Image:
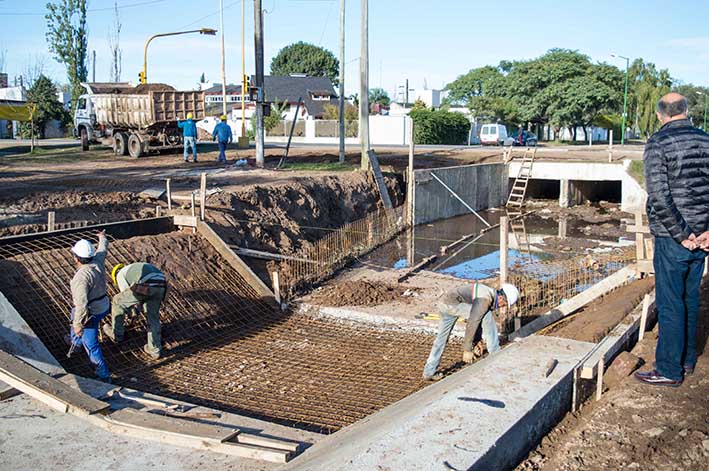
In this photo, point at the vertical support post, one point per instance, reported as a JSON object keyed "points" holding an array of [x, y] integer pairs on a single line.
{"points": [[364, 88], [169, 194], [342, 82], [639, 241], [599, 378], [157, 211], [564, 193], [192, 201], [562, 227], [221, 33], [258, 55], [410, 247], [575, 390], [202, 195], [504, 240], [706, 266], [276, 286], [590, 137], [610, 146], [643, 317], [51, 221], [411, 183]]}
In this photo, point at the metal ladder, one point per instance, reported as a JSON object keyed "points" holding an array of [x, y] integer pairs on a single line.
{"points": [[519, 188], [520, 232]]}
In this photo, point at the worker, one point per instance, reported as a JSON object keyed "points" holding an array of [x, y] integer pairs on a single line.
{"points": [[141, 286], [222, 134], [477, 301], [189, 136], [91, 303]]}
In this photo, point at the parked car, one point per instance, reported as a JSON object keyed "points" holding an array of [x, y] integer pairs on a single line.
{"points": [[524, 138], [494, 134]]}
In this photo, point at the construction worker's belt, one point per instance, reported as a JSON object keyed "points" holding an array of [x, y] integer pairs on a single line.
{"points": [[97, 298], [152, 280]]}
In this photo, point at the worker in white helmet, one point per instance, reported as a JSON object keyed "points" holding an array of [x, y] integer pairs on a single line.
{"points": [[477, 302], [91, 303]]}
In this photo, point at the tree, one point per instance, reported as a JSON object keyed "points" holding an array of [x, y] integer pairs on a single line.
{"points": [[43, 95], [67, 38], [304, 58], [114, 37], [695, 100], [482, 81], [380, 96], [439, 126]]}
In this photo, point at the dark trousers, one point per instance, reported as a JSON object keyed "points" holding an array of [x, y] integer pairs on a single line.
{"points": [[678, 274], [222, 150]]}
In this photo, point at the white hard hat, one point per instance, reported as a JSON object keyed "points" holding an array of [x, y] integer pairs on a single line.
{"points": [[83, 249], [511, 293]]}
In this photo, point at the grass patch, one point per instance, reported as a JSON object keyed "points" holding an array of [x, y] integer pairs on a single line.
{"points": [[637, 171], [320, 166]]}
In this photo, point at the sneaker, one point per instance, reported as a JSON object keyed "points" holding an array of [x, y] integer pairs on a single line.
{"points": [[152, 354], [654, 378], [688, 370], [435, 377], [108, 332]]}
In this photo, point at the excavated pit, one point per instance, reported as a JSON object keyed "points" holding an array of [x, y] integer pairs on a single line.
{"points": [[224, 347]]}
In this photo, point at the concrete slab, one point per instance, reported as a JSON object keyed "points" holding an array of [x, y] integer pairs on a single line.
{"points": [[460, 421]]}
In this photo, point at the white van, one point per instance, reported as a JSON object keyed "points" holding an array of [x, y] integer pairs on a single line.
{"points": [[495, 134]]}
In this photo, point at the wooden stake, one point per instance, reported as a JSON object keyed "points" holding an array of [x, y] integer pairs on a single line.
{"points": [[574, 391], [169, 194], [192, 201], [276, 287], [157, 211], [411, 184], [599, 379], [706, 266], [639, 241], [202, 195], [643, 317], [50, 221], [504, 239]]}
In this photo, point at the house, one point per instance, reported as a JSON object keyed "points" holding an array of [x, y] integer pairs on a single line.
{"points": [[9, 97], [213, 96], [316, 92]]}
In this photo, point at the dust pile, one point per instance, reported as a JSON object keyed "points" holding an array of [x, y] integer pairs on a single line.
{"points": [[360, 293]]}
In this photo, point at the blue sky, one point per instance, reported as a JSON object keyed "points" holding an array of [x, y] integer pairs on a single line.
{"points": [[424, 41]]}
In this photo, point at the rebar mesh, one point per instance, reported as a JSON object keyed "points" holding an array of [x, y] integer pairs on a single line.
{"points": [[224, 346]]}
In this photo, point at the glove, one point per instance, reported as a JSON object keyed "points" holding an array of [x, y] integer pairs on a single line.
{"points": [[468, 357]]}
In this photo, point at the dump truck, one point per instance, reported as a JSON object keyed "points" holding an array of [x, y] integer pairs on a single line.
{"points": [[134, 120]]}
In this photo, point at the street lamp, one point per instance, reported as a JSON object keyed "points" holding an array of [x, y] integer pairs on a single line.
{"points": [[143, 75], [704, 128], [625, 97]]}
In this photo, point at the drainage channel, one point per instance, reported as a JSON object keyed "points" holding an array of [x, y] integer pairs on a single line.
{"points": [[225, 347]]}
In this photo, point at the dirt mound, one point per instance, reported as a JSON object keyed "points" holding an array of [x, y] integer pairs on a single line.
{"points": [[359, 293], [145, 88]]}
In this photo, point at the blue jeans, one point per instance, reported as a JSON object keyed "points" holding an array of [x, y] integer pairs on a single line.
{"points": [[190, 141], [449, 316], [89, 339], [678, 274], [222, 150]]}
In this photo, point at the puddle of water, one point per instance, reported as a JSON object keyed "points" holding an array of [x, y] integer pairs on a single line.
{"points": [[473, 259]]}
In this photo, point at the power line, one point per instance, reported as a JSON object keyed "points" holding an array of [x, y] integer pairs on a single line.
{"points": [[92, 10]]}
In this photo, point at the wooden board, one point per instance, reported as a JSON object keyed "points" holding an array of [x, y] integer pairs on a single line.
{"points": [[645, 266], [374, 162], [638, 229], [184, 220], [46, 389], [165, 424], [599, 289]]}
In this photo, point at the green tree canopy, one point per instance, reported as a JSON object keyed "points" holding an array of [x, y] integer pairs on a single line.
{"points": [[305, 58], [67, 38], [379, 95], [43, 94], [697, 99]]}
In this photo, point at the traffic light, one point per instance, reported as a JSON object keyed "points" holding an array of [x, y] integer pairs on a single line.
{"points": [[141, 77]]}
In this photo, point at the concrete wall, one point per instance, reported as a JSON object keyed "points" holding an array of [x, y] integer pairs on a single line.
{"points": [[481, 186]]}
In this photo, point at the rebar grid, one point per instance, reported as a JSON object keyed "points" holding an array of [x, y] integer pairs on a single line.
{"points": [[320, 260], [545, 284], [224, 347]]}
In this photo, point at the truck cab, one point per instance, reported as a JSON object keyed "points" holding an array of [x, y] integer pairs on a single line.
{"points": [[84, 120]]}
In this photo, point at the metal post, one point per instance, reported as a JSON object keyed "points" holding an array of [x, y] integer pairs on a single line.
{"points": [[94, 66], [625, 101], [202, 195], [243, 142], [50, 221], [342, 82], [610, 146], [258, 54], [221, 27], [705, 112], [504, 240], [169, 194], [364, 88]]}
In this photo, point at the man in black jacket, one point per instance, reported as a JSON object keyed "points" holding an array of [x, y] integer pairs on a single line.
{"points": [[677, 182]]}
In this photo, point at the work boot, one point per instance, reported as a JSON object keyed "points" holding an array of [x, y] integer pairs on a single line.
{"points": [[151, 353], [435, 377], [653, 377], [108, 332]]}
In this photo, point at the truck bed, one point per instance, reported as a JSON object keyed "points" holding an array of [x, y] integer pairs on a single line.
{"points": [[146, 110]]}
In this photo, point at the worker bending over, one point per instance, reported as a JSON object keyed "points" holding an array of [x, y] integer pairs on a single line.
{"points": [[141, 286], [477, 301], [91, 303]]}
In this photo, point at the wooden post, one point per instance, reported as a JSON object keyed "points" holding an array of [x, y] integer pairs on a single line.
{"points": [[411, 183], [50, 221], [157, 211], [643, 317], [706, 266], [639, 241], [574, 390], [610, 147], [169, 194], [192, 201], [202, 195], [599, 379], [276, 287], [504, 239]]}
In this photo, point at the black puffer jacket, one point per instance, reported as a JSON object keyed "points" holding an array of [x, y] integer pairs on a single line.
{"points": [[677, 180]]}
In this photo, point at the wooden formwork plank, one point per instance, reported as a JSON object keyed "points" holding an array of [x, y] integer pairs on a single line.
{"points": [[374, 162], [184, 220], [44, 388], [152, 423]]}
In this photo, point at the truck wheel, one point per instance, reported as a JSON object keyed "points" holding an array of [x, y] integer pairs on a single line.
{"points": [[120, 144], [84, 139], [135, 147]]}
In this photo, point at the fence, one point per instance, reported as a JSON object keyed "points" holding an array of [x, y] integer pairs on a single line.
{"points": [[546, 284], [319, 261]]}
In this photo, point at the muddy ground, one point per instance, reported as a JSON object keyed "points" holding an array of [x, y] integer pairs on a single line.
{"points": [[635, 426]]}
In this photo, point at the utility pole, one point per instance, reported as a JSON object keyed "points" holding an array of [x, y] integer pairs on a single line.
{"points": [[221, 26], [364, 87], [258, 54], [406, 94], [243, 140], [342, 81], [625, 96], [94, 67]]}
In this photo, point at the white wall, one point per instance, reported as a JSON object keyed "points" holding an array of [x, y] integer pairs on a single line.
{"points": [[383, 130], [13, 93]]}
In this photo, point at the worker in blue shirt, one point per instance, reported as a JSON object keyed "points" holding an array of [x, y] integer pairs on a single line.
{"points": [[222, 134], [189, 134]]}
